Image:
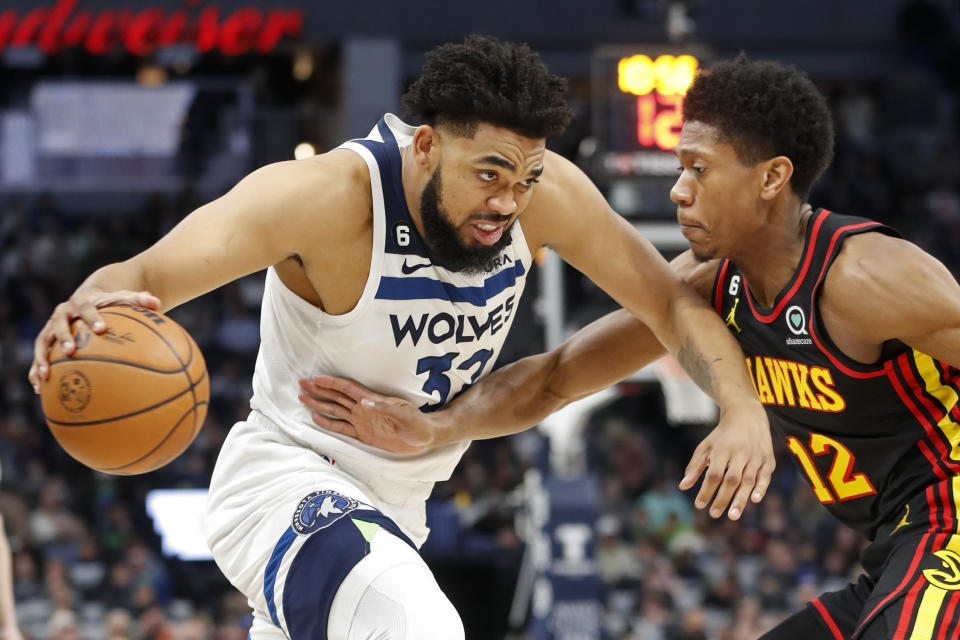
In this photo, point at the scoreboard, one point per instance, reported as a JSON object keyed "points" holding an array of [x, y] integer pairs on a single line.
{"points": [[637, 96], [647, 104]]}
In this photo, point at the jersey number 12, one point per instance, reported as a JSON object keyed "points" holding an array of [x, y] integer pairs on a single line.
{"points": [[846, 484]]}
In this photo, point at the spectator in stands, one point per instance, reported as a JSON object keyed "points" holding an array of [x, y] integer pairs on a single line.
{"points": [[9, 629]]}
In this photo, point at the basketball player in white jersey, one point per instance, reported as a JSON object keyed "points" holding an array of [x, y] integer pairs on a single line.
{"points": [[398, 260]]}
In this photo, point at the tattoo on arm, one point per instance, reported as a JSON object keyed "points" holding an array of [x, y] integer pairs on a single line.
{"points": [[697, 367]]}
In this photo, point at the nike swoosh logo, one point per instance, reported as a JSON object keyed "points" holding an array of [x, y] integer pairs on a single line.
{"points": [[410, 268]]}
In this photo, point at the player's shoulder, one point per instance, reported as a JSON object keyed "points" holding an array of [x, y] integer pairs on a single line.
{"points": [[559, 184], [890, 288], [560, 200], [876, 259], [329, 190], [879, 276], [561, 175], [336, 173]]}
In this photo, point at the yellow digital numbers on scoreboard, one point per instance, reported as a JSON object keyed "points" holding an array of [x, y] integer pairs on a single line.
{"points": [[659, 85], [637, 95], [641, 75]]}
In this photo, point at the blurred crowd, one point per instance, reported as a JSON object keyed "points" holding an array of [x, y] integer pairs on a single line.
{"points": [[670, 572], [87, 561], [86, 556]]}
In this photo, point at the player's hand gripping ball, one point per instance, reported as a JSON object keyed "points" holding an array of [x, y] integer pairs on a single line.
{"points": [[128, 400]]}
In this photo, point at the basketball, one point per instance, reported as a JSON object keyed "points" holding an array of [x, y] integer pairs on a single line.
{"points": [[130, 399]]}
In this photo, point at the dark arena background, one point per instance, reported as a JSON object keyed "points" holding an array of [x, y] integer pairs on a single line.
{"points": [[117, 118]]}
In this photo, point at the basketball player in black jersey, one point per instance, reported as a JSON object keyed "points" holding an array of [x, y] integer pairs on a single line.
{"points": [[851, 333]]}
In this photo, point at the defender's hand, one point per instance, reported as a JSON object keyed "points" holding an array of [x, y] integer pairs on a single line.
{"points": [[348, 408], [738, 459], [83, 306]]}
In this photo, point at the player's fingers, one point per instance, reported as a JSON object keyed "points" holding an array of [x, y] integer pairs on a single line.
{"points": [[337, 426], [325, 393], [128, 298], [343, 385], [148, 300], [763, 481], [60, 326], [712, 479], [740, 498], [41, 347], [732, 477], [34, 377], [332, 409], [698, 462], [392, 416], [89, 314]]}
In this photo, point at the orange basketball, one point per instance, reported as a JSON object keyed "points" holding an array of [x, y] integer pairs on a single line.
{"points": [[130, 399]]}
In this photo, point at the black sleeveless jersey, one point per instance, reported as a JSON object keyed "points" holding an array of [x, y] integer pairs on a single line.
{"points": [[866, 437]]}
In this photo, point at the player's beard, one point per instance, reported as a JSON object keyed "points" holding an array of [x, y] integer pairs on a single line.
{"points": [[447, 249]]}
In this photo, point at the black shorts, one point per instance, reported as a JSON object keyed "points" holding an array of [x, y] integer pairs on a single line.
{"points": [[911, 588]]}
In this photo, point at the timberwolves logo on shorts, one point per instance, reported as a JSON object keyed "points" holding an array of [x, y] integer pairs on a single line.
{"points": [[321, 509]]}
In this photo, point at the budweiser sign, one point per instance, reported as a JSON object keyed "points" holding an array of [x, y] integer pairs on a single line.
{"points": [[140, 32]]}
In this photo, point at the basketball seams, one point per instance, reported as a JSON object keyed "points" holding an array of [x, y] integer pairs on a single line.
{"points": [[183, 365], [191, 385], [91, 423], [179, 423], [136, 365], [193, 397]]}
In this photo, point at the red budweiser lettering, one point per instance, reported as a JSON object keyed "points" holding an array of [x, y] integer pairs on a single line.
{"points": [[52, 29]]}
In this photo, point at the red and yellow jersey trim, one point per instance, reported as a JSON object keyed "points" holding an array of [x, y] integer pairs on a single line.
{"points": [[929, 390]]}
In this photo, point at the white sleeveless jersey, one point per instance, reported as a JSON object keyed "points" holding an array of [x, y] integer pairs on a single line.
{"points": [[419, 332]]}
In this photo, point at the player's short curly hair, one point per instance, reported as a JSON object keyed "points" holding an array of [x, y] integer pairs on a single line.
{"points": [[764, 109], [487, 80]]}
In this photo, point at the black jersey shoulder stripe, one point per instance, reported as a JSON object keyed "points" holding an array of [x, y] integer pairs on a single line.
{"points": [[850, 368], [936, 433], [939, 399], [932, 443], [809, 250], [718, 286]]}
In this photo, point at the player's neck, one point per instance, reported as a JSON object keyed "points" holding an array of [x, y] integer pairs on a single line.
{"points": [[769, 261], [413, 183]]}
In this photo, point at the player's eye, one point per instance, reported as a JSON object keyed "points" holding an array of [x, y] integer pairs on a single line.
{"points": [[487, 176]]}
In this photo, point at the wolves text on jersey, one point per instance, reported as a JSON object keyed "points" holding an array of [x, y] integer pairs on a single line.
{"points": [[439, 327]]}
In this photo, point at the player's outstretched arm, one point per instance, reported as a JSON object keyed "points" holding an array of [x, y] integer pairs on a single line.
{"points": [[519, 395], [267, 217], [507, 401], [570, 215]]}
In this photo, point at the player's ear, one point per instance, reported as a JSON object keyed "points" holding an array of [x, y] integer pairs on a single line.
{"points": [[775, 177], [426, 144]]}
